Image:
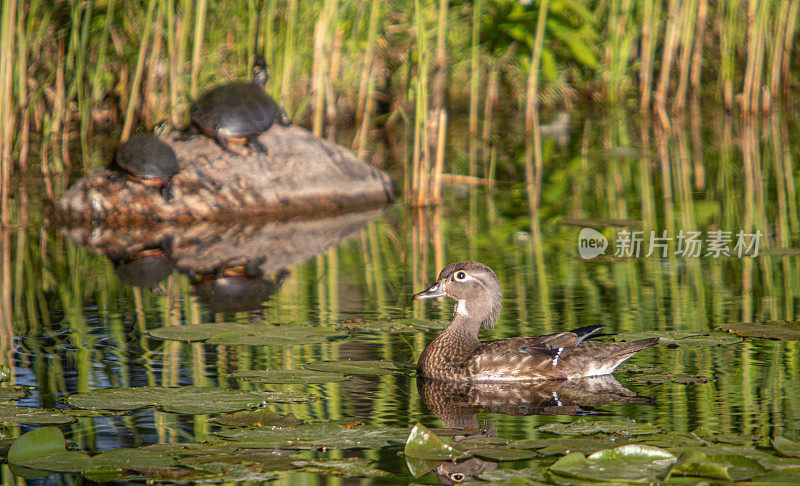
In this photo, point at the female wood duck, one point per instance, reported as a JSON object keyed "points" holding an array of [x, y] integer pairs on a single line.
{"points": [[457, 355]]}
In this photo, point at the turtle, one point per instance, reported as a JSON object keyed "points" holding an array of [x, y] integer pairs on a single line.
{"points": [[146, 159], [237, 112]]}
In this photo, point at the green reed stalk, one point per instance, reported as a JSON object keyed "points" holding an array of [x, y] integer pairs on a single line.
{"points": [[22, 88], [778, 33], [419, 165], [267, 32], [97, 85], [6, 109], [670, 47], [369, 58], [474, 79], [619, 46], [788, 39], [252, 33], [288, 54], [127, 126], [184, 23], [697, 51], [172, 55], [646, 63], [318, 70], [199, 33], [729, 25], [151, 106], [532, 135], [684, 63], [440, 70]]}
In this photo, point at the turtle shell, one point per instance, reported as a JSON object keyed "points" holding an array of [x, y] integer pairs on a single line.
{"points": [[235, 110], [147, 158]]}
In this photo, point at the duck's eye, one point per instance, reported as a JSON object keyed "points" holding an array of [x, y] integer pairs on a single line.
{"points": [[460, 276], [457, 476]]}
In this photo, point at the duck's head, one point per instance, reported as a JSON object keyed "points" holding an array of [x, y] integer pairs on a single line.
{"points": [[475, 288]]}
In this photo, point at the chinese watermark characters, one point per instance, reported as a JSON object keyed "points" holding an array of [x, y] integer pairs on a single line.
{"points": [[686, 244]]}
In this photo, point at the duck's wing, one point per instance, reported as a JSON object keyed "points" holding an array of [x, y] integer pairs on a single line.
{"points": [[557, 356], [518, 359]]}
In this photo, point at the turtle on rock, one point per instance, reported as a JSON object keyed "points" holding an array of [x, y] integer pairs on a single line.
{"points": [[146, 159], [237, 112]]}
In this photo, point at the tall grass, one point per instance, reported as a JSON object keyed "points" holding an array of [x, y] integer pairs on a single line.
{"points": [[72, 67]]}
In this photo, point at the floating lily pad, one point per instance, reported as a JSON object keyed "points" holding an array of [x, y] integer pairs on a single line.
{"points": [[564, 445], [589, 427], [247, 334], [424, 444], [240, 462], [679, 378], [318, 435], [188, 400], [9, 393], [786, 447], [784, 331], [349, 467], [258, 418], [44, 448], [393, 325], [629, 463], [284, 377], [502, 453], [681, 338], [727, 467], [354, 367], [15, 414], [533, 476]]}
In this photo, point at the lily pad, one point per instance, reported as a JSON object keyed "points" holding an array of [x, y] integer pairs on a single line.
{"points": [[786, 447], [679, 378], [725, 467], [681, 338], [317, 435], [247, 334], [9, 393], [44, 448], [241, 462], [502, 453], [187, 400], [629, 463], [424, 444], [284, 377], [354, 367], [258, 418], [15, 414], [564, 445], [589, 427], [393, 325], [349, 467], [784, 331], [532, 475]]}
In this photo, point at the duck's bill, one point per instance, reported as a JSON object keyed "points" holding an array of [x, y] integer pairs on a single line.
{"points": [[437, 290]]}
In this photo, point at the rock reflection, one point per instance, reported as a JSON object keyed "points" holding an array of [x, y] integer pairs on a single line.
{"points": [[233, 267], [457, 404]]}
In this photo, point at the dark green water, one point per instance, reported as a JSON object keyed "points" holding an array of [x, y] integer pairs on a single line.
{"points": [[71, 326]]}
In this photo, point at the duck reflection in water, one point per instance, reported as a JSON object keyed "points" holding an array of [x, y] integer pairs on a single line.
{"points": [[458, 404]]}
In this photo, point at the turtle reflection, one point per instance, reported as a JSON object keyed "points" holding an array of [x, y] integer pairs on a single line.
{"points": [[237, 289], [457, 404], [145, 268]]}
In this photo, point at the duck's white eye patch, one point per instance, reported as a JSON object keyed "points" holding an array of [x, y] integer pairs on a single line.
{"points": [[460, 276]]}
